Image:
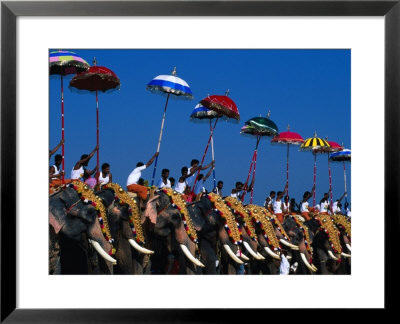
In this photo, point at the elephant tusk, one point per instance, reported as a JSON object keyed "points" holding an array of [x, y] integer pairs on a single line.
{"points": [[231, 254], [292, 246], [244, 257], [102, 253], [272, 254], [260, 256], [314, 267], [346, 255], [139, 248], [349, 247], [190, 256], [249, 249], [332, 256], [289, 257], [303, 257]]}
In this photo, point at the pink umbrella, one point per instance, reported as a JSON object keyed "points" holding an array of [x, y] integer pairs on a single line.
{"points": [[288, 138]]}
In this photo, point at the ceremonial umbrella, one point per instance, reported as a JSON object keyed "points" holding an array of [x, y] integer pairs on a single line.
{"points": [[257, 126], [314, 144], [342, 156], [202, 113], [95, 79], [168, 84], [63, 63], [288, 138], [226, 108]]}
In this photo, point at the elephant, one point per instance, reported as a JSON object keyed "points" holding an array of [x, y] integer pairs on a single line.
{"points": [[73, 223], [301, 236], [327, 248], [166, 225], [126, 229], [203, 221]]}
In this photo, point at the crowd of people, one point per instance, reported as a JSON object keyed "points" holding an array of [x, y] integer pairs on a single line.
{"points": [[191, 184]]}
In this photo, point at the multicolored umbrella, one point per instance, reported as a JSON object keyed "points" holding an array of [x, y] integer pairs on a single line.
{"points": [[342, 156], [225, 107], [288, 138], [63, 63], [168, 84], [314, 144], [202, 113], [257, 126], [95, 79]]}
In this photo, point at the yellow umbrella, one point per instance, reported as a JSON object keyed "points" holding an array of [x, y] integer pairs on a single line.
{"points": [[314, 144]]}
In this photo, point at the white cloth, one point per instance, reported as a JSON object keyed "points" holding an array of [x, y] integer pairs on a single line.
{"points": [[270, 202], [348, 212], [336, 208], [180, 186], [161, 184], [56, 171], [286, 206], [317, 207], [324, 206], [285, 266], [104, 180], [278, 207], [77, 174], [135, 175], [304, 207]]}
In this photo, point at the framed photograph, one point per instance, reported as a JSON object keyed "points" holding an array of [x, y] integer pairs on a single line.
{"points": [[219, 40]]}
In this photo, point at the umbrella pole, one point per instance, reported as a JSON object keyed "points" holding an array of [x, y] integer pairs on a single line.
{"points": [[287, 170], [315, 176], [253, 164], [254, 176], [159, 140], [330, 182], [212, 153], [97, 135], [248, 176], [205, 152], [62, 128], [345, 184]]}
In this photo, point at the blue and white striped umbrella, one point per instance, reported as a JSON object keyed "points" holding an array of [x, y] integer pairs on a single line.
{"points": [[340, 156], [170, 84], [201, 112]]}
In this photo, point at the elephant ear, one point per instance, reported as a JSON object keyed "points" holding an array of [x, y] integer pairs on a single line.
{"points": [[55, 222]]}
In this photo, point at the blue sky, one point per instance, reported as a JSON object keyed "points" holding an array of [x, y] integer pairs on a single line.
{"points": [[308, 89]]}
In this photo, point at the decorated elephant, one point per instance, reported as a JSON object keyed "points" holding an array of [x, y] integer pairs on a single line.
{"points": [[124, 221], [301, 236], [75, 214], [167, 215], [207, 223], [327, 248]]}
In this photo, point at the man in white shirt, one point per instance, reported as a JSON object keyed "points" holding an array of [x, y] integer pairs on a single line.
{"points": [[278, 206], [304, 208], [164, 181], [134, 177], [336, 208]]}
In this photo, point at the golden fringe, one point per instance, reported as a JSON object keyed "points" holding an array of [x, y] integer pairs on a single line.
{"points": [[326, 223], [280, 227], [177, 199], [341, 220], [237, 206], [226, 214], [88, 193], [304, 227], [131, 202], [260, 214]]}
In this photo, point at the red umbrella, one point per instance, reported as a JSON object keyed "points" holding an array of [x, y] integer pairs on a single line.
{"points": [[226, 108], [288, 138], [96, 78]]}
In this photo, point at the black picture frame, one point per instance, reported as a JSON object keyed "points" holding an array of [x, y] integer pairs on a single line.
{"points": [[10, 10]]}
